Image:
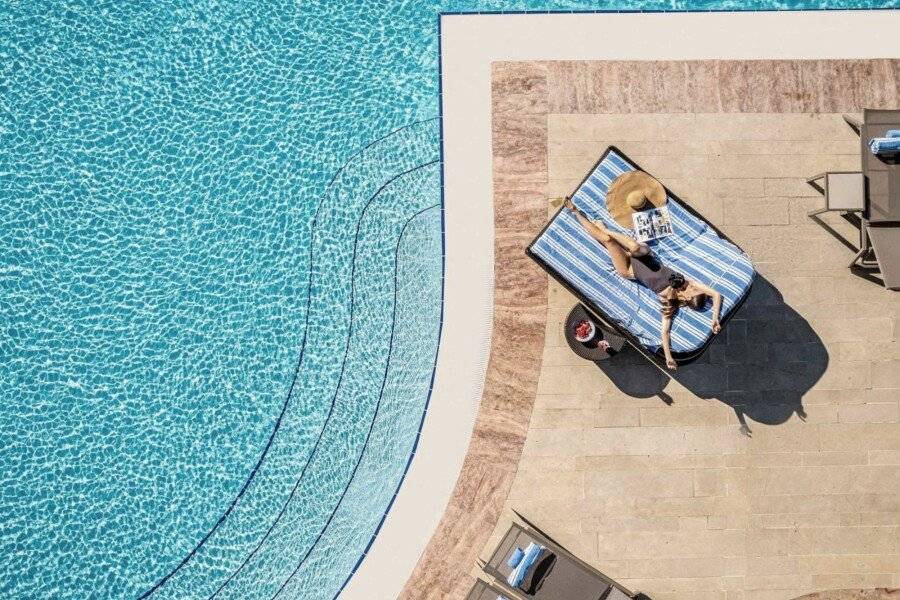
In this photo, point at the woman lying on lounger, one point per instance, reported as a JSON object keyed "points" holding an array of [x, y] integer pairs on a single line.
{"points": [[634, 261]]}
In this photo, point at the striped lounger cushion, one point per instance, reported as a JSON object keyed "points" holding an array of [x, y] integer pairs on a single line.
{"points": [[695, 250]]}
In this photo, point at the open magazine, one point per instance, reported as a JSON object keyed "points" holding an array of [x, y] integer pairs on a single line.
{"points": [[652, 224]]}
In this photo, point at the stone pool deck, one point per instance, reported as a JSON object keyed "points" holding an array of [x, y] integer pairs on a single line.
{"points": [[651, 478]]}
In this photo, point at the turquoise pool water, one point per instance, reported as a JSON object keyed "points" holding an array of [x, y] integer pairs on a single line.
{"points": [[220, 287]]}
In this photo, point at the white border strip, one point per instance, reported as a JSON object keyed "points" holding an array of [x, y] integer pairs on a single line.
{"points": [[470, 43]]}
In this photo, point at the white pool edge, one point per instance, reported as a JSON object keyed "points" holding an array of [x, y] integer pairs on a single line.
{"points": [[467, 320], [469, 44]]}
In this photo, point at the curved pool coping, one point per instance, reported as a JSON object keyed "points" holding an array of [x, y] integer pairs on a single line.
{"points": [[455, 395]]}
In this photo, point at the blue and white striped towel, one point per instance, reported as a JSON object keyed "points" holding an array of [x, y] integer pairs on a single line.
{"points": [[695, 250]]}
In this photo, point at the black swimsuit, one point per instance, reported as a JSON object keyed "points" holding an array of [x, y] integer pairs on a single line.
{"points": [[652, 273]]}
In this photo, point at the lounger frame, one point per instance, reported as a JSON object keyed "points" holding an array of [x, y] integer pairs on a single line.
{"points": [[483, 590], [657, 357]]}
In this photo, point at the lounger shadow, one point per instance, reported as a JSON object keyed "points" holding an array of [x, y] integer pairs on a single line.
{"points": [[769, 358]]}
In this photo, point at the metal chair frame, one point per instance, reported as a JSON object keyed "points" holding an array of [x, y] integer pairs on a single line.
{"points": [[865, 246]]}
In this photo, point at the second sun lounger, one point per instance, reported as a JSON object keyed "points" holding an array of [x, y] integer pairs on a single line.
{"points": [[885, 240], [697, 249], [482, 590], [557, 575]]}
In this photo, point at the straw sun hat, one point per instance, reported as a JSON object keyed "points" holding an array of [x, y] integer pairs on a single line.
{"points": [[632, 192]]}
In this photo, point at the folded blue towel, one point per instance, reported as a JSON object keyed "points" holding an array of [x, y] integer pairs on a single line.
{"points": [[531, 554], [885, 145], [515, 558], [892, 133]]}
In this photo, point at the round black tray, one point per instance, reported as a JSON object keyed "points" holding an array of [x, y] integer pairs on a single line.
{"points": [[590, 350]]}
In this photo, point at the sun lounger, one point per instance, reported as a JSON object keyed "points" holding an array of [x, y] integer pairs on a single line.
{"points": [[881, 220], [885, 240], [697, 249], [482, 590], [557, 575]]}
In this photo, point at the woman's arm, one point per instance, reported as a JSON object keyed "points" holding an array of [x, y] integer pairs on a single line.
{"points": [[717, 304], [667, 343], [717, 308]]}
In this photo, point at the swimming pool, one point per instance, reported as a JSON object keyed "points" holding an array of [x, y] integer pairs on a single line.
{"points": [[220, 297]]}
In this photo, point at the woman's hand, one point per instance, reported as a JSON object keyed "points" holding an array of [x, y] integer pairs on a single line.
{"points": [[716, 326], [671, 364], [569, 204]]}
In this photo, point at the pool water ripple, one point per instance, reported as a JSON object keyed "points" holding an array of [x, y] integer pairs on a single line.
{"points": [[392, 434], [271, 487], [356, 399]]}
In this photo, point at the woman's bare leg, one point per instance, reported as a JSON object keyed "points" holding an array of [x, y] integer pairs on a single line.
{"points": [[619, 255], [633, 247], [598, 232], [601, 233], [620, 258]]}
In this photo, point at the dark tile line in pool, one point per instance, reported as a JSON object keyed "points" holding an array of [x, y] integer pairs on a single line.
{"points": [[164, 579], [440, 325], [334, 400], [374, 418]]}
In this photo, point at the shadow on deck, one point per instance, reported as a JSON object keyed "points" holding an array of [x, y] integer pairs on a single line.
{"points": [[764, 361]]}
